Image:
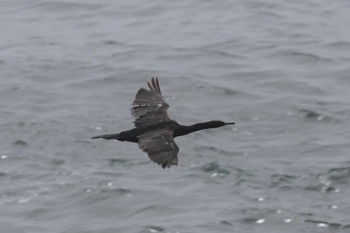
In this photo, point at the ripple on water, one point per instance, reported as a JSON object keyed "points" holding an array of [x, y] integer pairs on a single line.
{"points": [[283, 181], [300, 57], [339, 175], [253, 220], [154, 229], [113, 162], [215, 169], [94, 196], [320, 183], [310, 115], [327, 224], [20, 142]]}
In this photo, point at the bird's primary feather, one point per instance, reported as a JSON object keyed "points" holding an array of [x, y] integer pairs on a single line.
{"points": [[149, 106], [160, 147]]}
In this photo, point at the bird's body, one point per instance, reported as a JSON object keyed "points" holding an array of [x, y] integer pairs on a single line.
{"points": [[154, 131], [132, 135]]}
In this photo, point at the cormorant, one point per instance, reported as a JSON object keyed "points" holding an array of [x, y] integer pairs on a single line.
{"points": [[155, 131]]}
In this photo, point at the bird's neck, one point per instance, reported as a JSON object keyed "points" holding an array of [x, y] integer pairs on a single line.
{"points": [[186, 129]]}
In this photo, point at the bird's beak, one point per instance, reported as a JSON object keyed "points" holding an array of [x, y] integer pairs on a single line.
{"points": [[230, 123]]}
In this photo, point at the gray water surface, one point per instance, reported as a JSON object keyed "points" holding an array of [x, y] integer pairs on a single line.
{"points": [[70, 69]]}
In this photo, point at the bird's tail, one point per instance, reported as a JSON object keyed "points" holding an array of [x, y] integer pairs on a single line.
{"points": [[108, 136]]}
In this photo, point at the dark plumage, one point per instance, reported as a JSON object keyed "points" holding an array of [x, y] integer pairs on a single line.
{"points": [[155, 131]]}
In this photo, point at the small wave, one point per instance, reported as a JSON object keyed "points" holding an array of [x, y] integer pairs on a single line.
{"points": [[340, 175], [315, 116], [154, 229], [58, 6], [20, 142], [341, 45], [253, 220], [283, 181], [113, 162], [326, 224], [300, 57], [214, 168]]}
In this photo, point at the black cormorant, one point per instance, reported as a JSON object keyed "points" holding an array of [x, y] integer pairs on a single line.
{"points": [[155, 131]]}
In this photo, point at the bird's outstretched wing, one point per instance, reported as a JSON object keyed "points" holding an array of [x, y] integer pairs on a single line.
{"points": [[160, 147], [149, 106]]}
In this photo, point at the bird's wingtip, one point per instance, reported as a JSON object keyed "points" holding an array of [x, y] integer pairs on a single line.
{"points": [[154, 85]]}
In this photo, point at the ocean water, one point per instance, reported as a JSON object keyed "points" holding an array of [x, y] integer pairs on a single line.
{"points": [[280, 69]]}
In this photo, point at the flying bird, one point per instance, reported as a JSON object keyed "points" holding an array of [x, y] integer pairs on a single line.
{"points": [[154, 131]]}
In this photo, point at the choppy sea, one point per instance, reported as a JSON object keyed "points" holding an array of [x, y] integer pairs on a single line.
{"points": [[280, 69]]}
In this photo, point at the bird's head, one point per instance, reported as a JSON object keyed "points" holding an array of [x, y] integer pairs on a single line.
{"points": [[217, 124]]}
